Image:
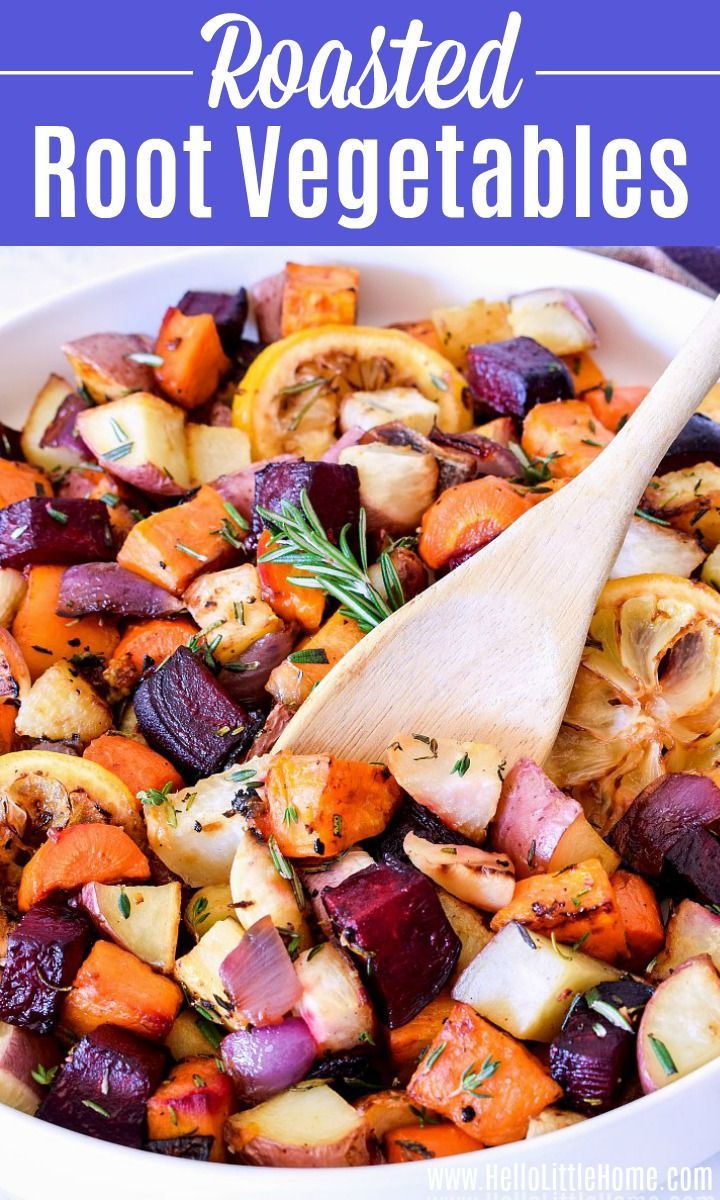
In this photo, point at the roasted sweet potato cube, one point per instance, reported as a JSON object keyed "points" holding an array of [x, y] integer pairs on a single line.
{"points": [[482, 1079], [173, 547], [409, 1043], [113, 987], [194, 361], [196, 1099], [103, 1086], [317, 295], [320, 805]]}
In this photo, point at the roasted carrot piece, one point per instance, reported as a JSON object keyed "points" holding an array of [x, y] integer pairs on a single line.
{"points": [[566, 434], [411, 1143], [193, 358], [19, 481], [196, 1099], [290, 601], [466, 517], [473, 1070], [139, 767], [292, 682], [585, 372], [641, 918], [174, 546], [408, 1043], [113, 987], [424, 331], [613, 405], [143, 646], [44, 638], [540, 491], [79, 854], [577, 904], [318, 295], [14, 686], [320, 805]]}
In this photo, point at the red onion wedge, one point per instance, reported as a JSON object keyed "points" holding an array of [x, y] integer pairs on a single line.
{"points": [[262, 1062], [259, 977], [245, 678], [101, 587], [351, 437]]}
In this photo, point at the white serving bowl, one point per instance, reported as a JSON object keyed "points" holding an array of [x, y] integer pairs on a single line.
{"points": [[641, 321]]}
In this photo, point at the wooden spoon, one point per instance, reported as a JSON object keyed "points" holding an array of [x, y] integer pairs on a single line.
{"points": [[490, 652]]}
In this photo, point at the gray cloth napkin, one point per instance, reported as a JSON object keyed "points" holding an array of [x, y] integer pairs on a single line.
{"points": [[697, 267]]}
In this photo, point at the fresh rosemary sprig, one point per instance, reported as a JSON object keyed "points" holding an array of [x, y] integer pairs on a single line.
{"points": [[299, 540]]}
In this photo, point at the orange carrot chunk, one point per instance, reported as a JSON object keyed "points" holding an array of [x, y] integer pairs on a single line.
{"points": [[290, 601], [482, 1079], [412, 1143], [193, 358], [408, 1043], [466, 517], [44, 638], [613, 405], [79, 854], [565, 434], [576, 905], [139, 767], [196, 1099], [585, 372], [14, 686], [113, 987], [641, 918], [144, 646], [173, 547], [19, 481]]}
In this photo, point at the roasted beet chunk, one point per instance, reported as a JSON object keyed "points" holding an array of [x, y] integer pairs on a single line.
{"points": [[593, 1055], [44, 530], [513, 376], [695, 858], [184, 713], [697, 442], [195, 1146], [390, 916], [229, 311], [333, 491], [43, 957], [351, 1073], [103, 1087], [62, 432], [412, 818], [666, 811]]}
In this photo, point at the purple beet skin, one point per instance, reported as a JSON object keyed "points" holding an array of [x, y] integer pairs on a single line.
{"points": [[390, 916], [195, 1146], [44, 955], [62, 429], [697, 442], [10, 446], [511, 377], [333, 491], [667, 810], [103, 1087], [45, 530], [411, 817], [229, 311], [351, 1073], [593, 1055], [185, 714]]}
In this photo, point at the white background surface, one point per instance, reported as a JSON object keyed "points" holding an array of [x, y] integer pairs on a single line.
{"points": [[29, 275]]}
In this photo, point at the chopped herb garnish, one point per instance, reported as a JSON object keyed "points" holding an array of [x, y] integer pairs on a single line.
{"points": [[462, 766], [207, 1027], [315, 950], [439, 383], [337, 824], [145, 359], [471, 1079], [414, 1147], [576, 899], [44, 1075], [531, 853], [291, 815], [189, 550], [61, 517], [309, 656], [236, 516], [641, 512], [431, 743], [118, 452], [604, 1009], [111, 500], [663, 1055], [557, 949], [199, 1081], [287, 871], [365, 1036], [434, 1055], [124, 905], [154, 797], [98, 1108]]}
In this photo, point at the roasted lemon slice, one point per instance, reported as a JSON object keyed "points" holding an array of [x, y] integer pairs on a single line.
{"points": [[646, 698], [289, 399]]}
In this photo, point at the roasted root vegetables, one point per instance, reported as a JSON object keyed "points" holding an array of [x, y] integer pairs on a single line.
{"points": [[213, 947]]}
